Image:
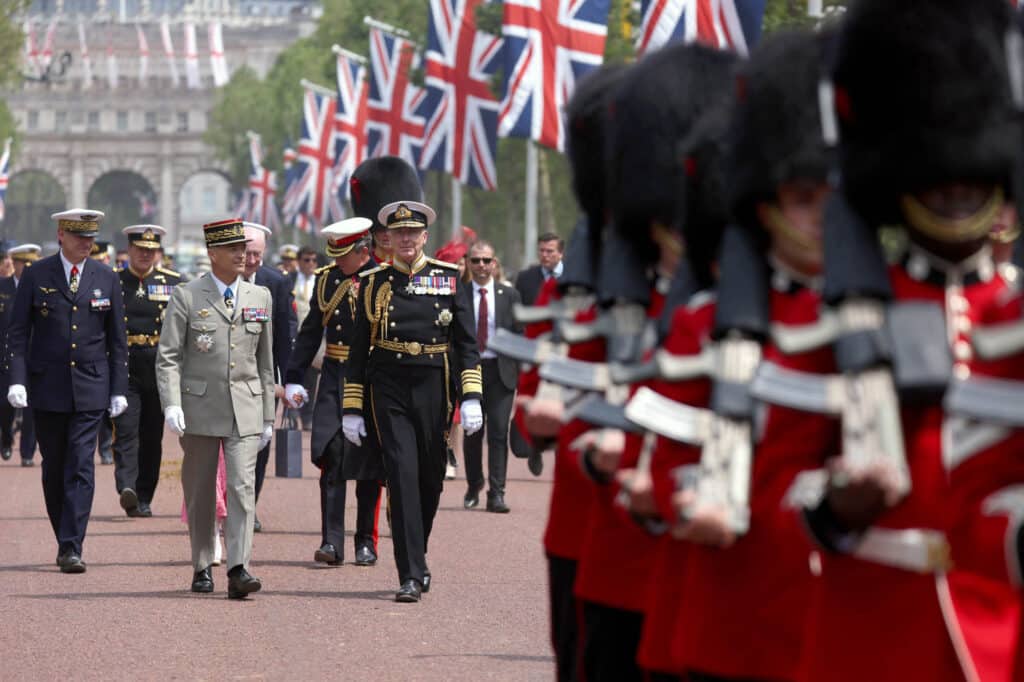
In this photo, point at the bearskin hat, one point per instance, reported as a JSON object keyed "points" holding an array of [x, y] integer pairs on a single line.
{"points": [[922, 96], [706, 210], [377, 182], [586, 114], [650, 114], [775, 134]]}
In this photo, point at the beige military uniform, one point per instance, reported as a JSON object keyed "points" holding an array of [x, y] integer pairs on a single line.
{"points": [[217, 365]]}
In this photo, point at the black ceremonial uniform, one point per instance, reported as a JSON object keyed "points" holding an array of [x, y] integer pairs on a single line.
{"points": [[332, 312], [139, 431], [413, 336]]}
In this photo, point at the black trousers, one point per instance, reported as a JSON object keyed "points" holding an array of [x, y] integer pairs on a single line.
{"points": [[409, 412], [611, 638], [565, 618], [67, 441], [27, 440], [497, 408], [333, 488], [309, 382], [138, 439], [105, 436]]}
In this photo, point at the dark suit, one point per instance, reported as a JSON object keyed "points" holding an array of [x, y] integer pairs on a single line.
{"points": [[70, 351], [285, 327], [528, 284], [311, 377], [500, 375], [27, 442]]}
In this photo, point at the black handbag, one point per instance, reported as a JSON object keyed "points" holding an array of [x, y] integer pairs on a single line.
{"points": [[288, 447]]}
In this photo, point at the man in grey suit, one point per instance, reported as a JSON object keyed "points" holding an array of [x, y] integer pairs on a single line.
{"points": [[215, 372]]}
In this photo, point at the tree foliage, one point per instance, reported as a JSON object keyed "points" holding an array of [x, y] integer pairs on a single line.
{"points": [[11, 40]]}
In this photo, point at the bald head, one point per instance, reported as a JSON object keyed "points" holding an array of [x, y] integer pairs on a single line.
{"points": [[254, 249]]}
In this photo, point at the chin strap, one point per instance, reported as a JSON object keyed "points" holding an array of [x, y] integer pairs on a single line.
{"points": [[952, 230]]}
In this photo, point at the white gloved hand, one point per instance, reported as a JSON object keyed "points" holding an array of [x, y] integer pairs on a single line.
{"points": [[472, 416], [353, 426], [295, 395], [268, 433], [16, 396], [118, 404], [175, 419]]}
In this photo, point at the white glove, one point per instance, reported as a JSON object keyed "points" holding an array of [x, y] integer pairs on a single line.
{"points": [[295, 395], [472, 416], [353, 426], [175, 419], [16, 396], [268, 433], [118, 404]]}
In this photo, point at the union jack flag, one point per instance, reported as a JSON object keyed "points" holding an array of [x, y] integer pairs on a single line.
{"points": [[725, 24], [549, 44], [293, 183], [262, 187], [461, 112], [5, 168], [316, 153], [349, 127], [393, 126]]}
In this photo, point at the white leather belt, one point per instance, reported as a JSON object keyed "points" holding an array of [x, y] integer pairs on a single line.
{"points": [[910, 549]]}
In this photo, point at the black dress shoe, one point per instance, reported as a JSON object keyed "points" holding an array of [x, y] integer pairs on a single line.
{"points": [[144, 510], [472, 498], [535, 463], [426, 583], [328, 554], [257, 527], [202, 581], [27, 462], [241, 584], [5, 454], [71, 563], [365, 556], [130, 502], [496, 504], [409, 592]]}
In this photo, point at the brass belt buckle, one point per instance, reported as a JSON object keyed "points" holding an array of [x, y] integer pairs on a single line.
{"points": [[414, 348]]}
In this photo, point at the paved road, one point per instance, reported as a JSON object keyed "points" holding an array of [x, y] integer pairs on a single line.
{"points": [[131, 615]]}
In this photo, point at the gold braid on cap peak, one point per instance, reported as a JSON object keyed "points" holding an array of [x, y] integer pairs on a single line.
{"points": [[952, 230], [78, 225]]}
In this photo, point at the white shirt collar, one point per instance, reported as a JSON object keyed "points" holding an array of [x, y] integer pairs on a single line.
{"points": [[556, 271], [68, 265], [221, 286]]}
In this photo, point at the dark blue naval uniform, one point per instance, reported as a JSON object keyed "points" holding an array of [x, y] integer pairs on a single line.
{"points": [[27, 441], [70, 351]]}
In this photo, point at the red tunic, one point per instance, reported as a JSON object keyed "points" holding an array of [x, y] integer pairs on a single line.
{"points": [[745, 607], [690, 327], [615, 563], [872, 621], [573, 492]]}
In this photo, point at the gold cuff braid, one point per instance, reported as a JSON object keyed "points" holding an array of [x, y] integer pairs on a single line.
{"points": [[472, 381], [353, 397]]}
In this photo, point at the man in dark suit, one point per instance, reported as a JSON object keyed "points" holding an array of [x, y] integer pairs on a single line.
{"points": [[68, 355], [549, 254], [491, 303], [22, 256], [284, 321], [301, 281]]}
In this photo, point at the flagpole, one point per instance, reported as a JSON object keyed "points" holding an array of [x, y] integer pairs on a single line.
{"points": [[456, 206], [530, 224], [387, 28], [338, 49]]}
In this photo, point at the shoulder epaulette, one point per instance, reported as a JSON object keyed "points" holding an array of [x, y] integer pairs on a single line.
{"points": [[325, 268], [172, 273], [443, 263], [379, 268]]}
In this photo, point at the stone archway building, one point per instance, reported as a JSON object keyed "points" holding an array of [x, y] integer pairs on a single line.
{"points": [[146, 126]]}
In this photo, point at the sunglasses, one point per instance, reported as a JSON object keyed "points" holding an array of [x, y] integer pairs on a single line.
{"points": [[478, 261]]}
